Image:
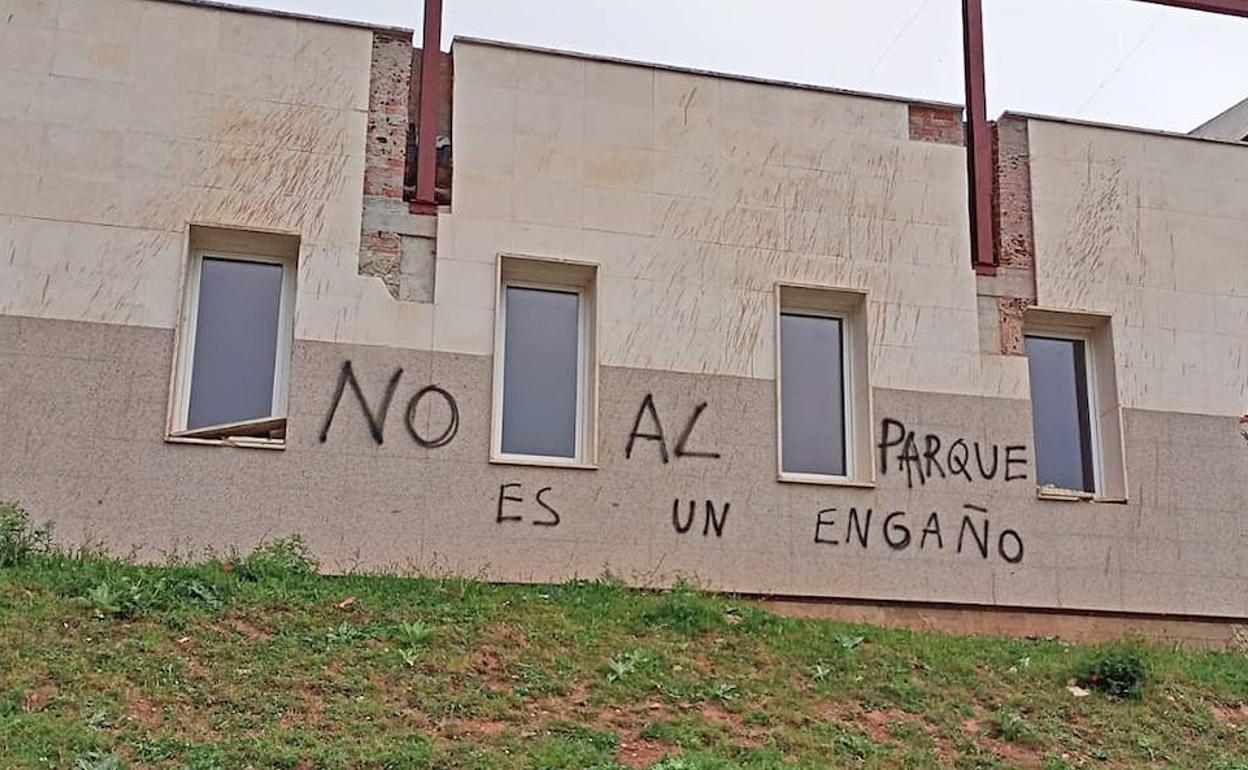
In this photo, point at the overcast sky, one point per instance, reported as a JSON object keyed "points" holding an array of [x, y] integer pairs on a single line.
{"points": [[1117, 61]]}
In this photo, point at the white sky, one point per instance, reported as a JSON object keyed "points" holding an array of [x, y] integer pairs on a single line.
{"points": [[1116, 61]]}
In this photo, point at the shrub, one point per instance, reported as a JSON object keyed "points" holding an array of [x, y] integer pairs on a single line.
{"points": [[285, 557], [1119, 672], [20, 539]]}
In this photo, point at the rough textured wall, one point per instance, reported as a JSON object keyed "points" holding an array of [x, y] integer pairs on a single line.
{"points": [[723, 520], [1151, 229]]}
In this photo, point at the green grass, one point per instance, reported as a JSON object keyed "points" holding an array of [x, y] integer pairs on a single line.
{"points": [[259, 662]]}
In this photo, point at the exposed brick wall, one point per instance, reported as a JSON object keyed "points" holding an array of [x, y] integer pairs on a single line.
{"points": [[1011, 200], [387, 223], [388, 91], [1014, 286], [936, 124]]}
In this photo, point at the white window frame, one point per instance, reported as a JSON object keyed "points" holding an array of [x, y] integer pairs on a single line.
{"points": [[847, 392], [570, 277], [185, 360], [1094, 411], [850, 307]]}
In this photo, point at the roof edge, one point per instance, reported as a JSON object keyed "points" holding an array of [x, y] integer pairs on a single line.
{"points": [[697, 71], [224, 6], [1120, 127]]}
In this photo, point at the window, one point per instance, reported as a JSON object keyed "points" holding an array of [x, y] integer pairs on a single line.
{"points": [[1061, 413], [822, 388], [544, 354], [1074, 406], [812, 394], [233, 367]]}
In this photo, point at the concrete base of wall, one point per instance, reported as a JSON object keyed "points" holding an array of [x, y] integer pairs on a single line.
{"points": [[1197, 633]]}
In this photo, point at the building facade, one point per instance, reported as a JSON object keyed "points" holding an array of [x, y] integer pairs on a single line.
{"points": [[668, 324]]}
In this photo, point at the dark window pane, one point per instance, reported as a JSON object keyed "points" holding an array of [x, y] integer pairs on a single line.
{"points": [[812, 395], [1059, 412], [236, 332], [541, 346]]}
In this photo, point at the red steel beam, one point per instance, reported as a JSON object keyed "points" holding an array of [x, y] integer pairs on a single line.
{"points": [[1224, 7], [430, 82], [978, 140]]}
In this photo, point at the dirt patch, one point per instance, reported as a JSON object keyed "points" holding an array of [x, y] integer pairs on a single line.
{"points": [[1011, 752], [39, 698], [473, 729], [1234, 716], [749, 736], [145, 713], [639, 754]]}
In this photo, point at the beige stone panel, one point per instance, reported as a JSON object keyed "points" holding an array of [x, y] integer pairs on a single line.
{"points": [[259, 35], [552, 115], [21, 90], [463, 329], [252, 76], [22, 145], [748, 141], [546, 203], [487, 151], [32, 14], [690, 219], [688, 176], [331, 66], [93, 56], [25, 49], [551, 74], [481, 240], [686, 113], [469, 284], [751, 184], [610, 123], [485, 196], [486, 107], [484, 65], [625, 84], [85, 151], [621, 167], [620, 211], [547, 160]]}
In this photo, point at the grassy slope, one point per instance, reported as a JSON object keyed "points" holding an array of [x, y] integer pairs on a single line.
{"points": [[257, 663]]}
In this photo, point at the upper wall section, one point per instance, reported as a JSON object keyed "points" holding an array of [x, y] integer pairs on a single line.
{"points": [[696, 194], [1153, 230], [123, 121]]}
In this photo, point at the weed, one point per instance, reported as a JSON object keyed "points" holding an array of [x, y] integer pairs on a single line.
{"points": [[414, 633], [97, 760], [623, 666], [1119, 671], [1010, 726], [819, 672], [685, 610], [21, 539], [282, 558], [723, 692]]}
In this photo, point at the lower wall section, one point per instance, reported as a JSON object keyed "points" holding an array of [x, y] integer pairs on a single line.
{"points": [[83, 414]]}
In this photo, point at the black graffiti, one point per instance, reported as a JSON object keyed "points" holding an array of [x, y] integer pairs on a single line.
{"points": [[683, 441], [376, 418], [974, 532], [376, 421], [656, 434], [712, 519], [927, 457], [452, 426], [551, 516]]}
